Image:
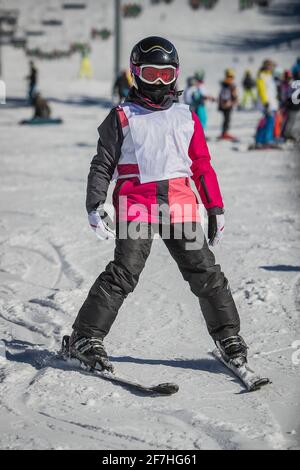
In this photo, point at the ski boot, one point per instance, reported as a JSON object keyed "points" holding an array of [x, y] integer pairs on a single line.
{"points": [[232, 352], [233, 349], [229, 137], [90, 351]]}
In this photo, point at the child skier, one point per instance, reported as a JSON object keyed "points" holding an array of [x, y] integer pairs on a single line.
{"points": [[152, 145], [288, 107], [200, 96], [268, 104], [32, 81], [227, 100], [249, 90], [122, 85]]}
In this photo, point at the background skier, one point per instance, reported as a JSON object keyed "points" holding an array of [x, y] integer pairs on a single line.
{"points": [[85, 70], [32, 81], [227, 100], [199, 98], [268, 104], [249, 96], [189, 90], [296, 69], [41, 107], [122, 84]]}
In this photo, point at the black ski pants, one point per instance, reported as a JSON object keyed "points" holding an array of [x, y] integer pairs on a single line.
{"points": [[196, 263]]}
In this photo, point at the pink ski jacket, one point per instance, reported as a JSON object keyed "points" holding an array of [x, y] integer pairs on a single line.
{"points": [[152, 153]]}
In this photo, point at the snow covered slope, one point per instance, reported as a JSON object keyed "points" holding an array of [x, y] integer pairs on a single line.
{"points": [[49, 258]]}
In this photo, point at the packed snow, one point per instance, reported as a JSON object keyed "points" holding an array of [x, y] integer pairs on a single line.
{"points": [[49, 257]]}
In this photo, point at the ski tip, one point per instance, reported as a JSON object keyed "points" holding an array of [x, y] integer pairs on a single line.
{"points": [[260, 383], [166, 388]]}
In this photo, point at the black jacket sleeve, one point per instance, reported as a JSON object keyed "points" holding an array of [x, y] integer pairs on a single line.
{"points": [[104, 163]]}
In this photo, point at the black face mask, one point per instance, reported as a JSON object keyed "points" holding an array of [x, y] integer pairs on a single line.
{"points": [[155, 93]]}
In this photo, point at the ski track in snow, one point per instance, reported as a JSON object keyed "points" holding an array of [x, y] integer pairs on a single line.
{"points": [[49, 259]]}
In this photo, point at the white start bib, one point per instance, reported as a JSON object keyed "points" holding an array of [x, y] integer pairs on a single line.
{"points": [[161, 141]]}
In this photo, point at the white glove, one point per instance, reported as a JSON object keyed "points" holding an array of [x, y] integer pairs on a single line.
{"points": [[216, 224], [102, 225]]}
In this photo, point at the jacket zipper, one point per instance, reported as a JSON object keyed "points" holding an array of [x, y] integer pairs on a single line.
{"points": [[116, 193], [202, 180]]}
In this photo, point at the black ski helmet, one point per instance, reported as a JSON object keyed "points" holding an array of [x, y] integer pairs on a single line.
{"points": [[153, 50]]}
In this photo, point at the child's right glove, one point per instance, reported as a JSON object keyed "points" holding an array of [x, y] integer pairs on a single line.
{"points": [[216, 224], [102, 224]]}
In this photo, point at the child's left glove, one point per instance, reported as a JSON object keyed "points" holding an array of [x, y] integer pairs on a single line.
{"points": [[216, 224], [102, 224]]}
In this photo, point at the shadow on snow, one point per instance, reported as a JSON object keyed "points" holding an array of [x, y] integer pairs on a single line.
{"points": [[17, 102], [41, 359], [282, 268]]}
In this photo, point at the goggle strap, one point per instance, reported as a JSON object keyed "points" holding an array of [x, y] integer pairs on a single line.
{"points": [[137, 70]]}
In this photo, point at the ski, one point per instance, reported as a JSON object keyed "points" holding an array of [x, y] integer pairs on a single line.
{"points": [[265, 147], [245, 148], [153, 390], [251, 380]]}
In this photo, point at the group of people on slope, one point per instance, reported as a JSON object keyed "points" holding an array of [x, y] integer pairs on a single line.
{"points": [[271, 92], [196, 96], [277, 103]]}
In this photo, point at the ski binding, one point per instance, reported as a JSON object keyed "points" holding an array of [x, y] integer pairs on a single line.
{"points": [[251, 380]]}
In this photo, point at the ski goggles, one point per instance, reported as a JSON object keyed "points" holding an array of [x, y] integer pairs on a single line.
{"points": [[152, 74]]}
